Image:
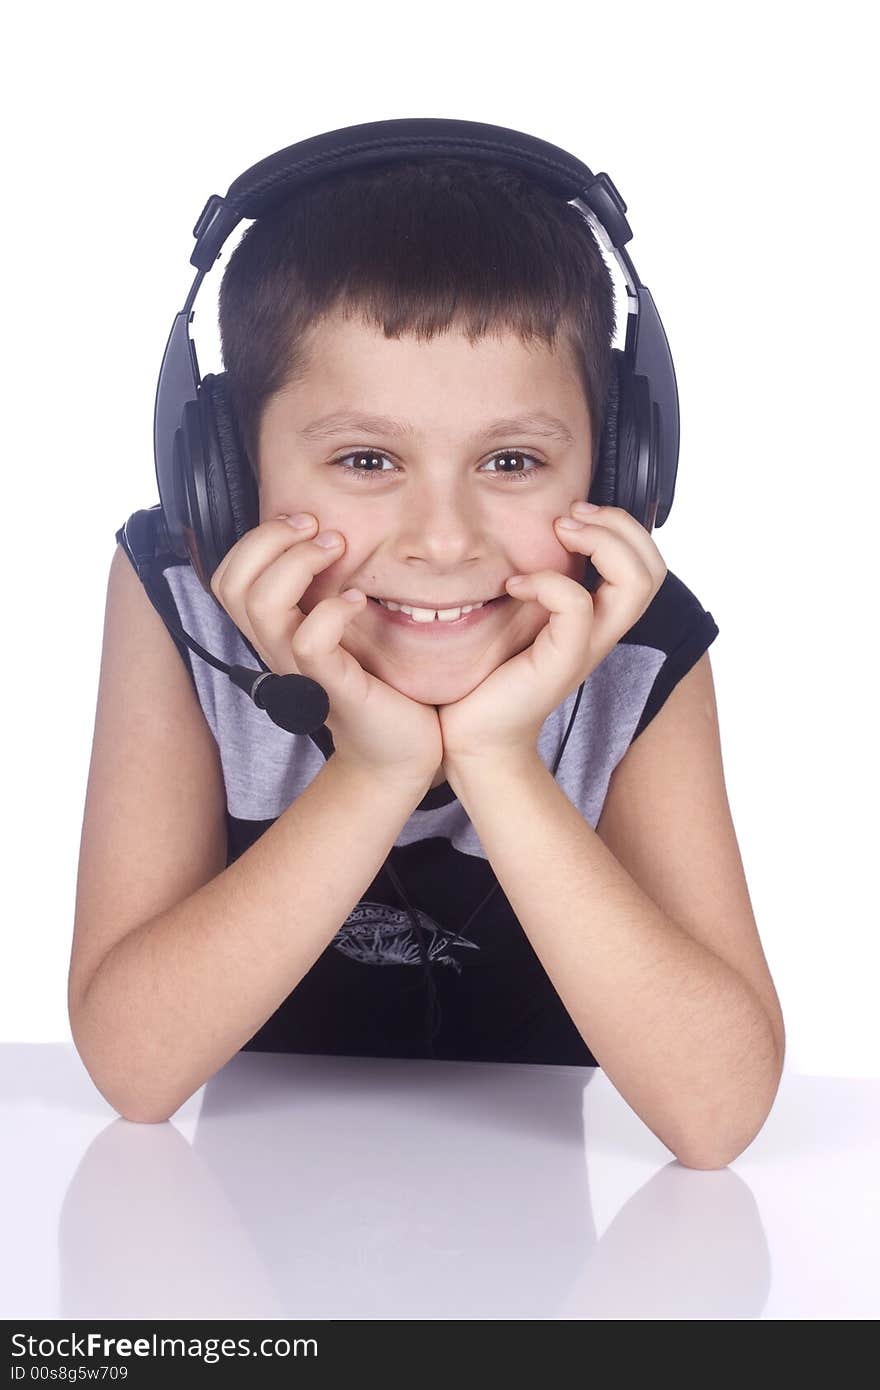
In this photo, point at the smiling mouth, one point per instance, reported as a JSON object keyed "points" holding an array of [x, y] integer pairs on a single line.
{"points": [[434, 625], [422, 610]]}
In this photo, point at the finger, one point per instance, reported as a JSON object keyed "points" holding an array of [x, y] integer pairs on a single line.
{"points": [[318, 654], [570, 606], [254, 550], [262, 581], [620, 520], [271, 602], [629, 583]]}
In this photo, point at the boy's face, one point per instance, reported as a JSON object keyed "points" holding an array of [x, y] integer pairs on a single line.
{"points": [[435, 519]]}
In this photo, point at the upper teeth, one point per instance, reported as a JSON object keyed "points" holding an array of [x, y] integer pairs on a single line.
{"points": [[427, 615]]}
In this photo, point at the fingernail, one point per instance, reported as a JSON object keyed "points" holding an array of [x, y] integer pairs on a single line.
{"points": [[569, 523], [300, 521], [585, 506], [328, 539]]}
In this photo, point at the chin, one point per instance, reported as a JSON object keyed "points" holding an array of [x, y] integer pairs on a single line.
{"points": [[427, 685], [427, 688]]}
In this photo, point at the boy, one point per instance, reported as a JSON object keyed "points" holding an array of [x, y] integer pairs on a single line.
{"points": [[446, 300]]}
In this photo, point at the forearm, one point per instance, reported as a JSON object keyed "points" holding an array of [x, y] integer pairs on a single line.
{"points": [[681, 1035], [181, 994]]}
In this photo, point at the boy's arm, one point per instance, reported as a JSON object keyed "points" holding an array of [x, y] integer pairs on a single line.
{"points": [[180, 994], [681, 1034]]}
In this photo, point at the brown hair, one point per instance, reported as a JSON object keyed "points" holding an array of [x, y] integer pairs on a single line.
{"points": [[414, 248]]}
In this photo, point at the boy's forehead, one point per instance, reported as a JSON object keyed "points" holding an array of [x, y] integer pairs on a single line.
{"points": [[350, 363]]}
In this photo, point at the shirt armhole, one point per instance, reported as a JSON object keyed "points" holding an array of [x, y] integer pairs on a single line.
{"points": [[677, 664], [166, 598]]}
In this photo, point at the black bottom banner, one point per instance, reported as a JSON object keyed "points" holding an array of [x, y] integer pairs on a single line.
{"points": [[283, 1352]]}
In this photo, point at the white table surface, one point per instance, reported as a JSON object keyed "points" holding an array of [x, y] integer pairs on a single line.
{"points": [[325, 1187]]}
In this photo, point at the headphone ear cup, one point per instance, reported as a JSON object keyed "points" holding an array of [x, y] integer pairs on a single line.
{"points": [[603, 485], [231, 487], [219, 491], [240, 493], [223, 500], [626, 473], [637, 426]]}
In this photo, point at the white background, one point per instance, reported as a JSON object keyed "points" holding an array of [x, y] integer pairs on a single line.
{"points": [[741, 142]]}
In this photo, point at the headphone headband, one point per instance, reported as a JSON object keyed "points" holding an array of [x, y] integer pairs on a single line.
{"points": [[277, 178]]}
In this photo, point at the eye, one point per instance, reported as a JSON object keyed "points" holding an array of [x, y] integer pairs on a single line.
{"points": [[518, 454], [362, 455]]}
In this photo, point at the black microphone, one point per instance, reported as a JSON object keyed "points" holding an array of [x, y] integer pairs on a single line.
{"points": [[293, 702]]}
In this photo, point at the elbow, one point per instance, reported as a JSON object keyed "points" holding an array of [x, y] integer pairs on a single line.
{"points": [[137, 1107], [739, 1123], [710, 1153], [705, 1163], [720, 1150], [137, 1110], [136, 1116]]}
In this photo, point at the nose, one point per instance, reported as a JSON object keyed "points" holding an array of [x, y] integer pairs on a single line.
{"points": [[443, 524]]}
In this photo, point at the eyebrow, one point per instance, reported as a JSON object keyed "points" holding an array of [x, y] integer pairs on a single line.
{"points": [[340, 422]]}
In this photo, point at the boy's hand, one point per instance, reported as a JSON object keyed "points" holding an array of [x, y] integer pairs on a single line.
{"points": [[259, 583], [503, 716]]}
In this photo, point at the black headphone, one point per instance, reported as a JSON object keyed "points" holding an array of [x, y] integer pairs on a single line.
{"points": [[207, 487]]}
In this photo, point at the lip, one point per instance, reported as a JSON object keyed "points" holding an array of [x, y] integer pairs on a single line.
{"points": [[437, 629]]}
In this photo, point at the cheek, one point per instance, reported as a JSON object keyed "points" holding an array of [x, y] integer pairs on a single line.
{"points": [[548, 554], [541, 552]]}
